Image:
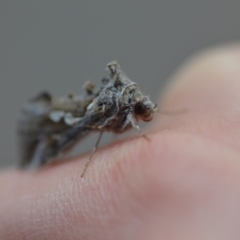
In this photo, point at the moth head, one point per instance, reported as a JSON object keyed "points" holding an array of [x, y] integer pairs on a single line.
{"points": [[144, 109]]}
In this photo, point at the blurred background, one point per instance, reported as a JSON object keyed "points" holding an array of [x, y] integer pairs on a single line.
{"points": [[57, 45]]}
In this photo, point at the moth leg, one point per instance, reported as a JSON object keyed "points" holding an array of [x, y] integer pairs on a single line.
{"points": [[92, 153], [98, 128], [132, 119]]}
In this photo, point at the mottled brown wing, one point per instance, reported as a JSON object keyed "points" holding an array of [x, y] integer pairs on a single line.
{"points": [[34, 125], [41, 139]]}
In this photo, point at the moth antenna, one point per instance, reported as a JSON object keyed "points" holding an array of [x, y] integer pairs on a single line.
{"points": [[173, 112], [92, 153]]}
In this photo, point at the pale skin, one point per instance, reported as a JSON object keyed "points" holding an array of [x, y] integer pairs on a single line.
{"points": [[182, 184]]}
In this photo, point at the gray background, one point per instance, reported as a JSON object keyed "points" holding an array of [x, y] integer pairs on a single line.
{"points": [[57, 45]]}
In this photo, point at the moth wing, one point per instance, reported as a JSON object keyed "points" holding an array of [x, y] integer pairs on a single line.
{"points": [[34, 126], [41, 139], [50, 146], [32, 114]]}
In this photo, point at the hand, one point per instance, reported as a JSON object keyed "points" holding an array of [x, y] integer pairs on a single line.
{"points": [[182, 184]]}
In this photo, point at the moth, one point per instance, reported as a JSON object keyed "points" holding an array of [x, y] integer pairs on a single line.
{"points": [[49, 126]]}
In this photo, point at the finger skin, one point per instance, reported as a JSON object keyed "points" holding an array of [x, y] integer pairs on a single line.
{"points": [[129, 193], [182, 184], [208, 87]]}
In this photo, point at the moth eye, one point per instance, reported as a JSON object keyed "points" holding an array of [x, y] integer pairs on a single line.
{"points": [[131, 91], [139, 108], [129, 100]]}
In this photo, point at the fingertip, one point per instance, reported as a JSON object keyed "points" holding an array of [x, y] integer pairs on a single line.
{"points": [[207, 86], [206, 65]]}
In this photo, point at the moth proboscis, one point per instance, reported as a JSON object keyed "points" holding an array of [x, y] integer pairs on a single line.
{"points": [[49, 126]]}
